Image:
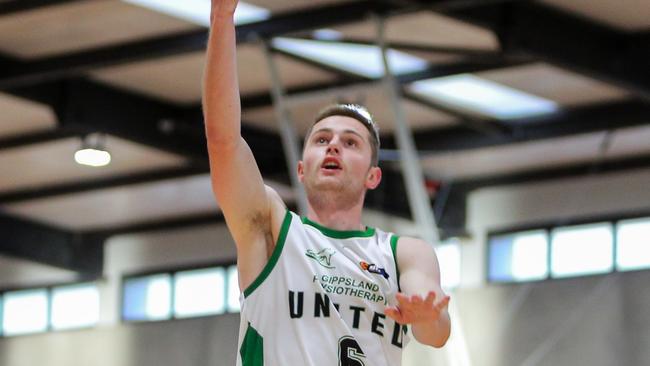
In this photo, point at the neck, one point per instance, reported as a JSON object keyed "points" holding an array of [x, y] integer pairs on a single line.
{"points": [[335, 216]]}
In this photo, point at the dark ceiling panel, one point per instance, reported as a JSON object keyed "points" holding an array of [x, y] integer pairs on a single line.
{"points": [[11, 7], [567, 40]]}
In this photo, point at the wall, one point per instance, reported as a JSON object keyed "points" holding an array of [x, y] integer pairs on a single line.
{"points": [[596, 320]]}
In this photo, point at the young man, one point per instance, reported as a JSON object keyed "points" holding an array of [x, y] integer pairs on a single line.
{"points": [[323, 289]]}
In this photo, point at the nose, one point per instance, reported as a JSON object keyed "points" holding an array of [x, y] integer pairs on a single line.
{"points": [[334, 145]]}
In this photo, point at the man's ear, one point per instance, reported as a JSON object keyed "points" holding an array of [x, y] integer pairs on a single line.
{"points": [[373, 178], [301, 170]]}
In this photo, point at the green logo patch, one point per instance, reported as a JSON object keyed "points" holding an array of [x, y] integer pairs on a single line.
{"points": [[323, 257]]}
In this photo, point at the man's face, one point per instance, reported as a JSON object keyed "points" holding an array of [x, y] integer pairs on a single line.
{"points": [[337, 157]]}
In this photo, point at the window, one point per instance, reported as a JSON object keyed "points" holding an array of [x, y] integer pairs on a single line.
{"points": [[518, 257], [582, 250], [633, 244], [24, 312], [479, 96], [199, 292], [147, 298], [233, 290], [449, 260], [75, 306], [182, 294]]}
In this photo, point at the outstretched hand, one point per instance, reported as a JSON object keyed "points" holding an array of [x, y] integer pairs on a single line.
{"points": [[223, 8], [414, 309]]}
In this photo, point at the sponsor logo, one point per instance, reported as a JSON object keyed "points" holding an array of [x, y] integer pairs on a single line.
{"points": [[323, 257], [372, 268]]}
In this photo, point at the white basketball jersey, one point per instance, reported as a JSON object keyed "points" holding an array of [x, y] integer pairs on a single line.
{"points": [[320, 300]]}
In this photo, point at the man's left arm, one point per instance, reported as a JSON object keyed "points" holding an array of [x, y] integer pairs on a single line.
{"points": [[422, 302]]}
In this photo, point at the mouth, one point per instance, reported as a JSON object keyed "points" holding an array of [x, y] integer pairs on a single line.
{"points": [[331, 164]]}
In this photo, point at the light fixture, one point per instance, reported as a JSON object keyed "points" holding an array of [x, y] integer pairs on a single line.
{"points": [[360, 59], [473, 94], [198, 11], [92, 151]]}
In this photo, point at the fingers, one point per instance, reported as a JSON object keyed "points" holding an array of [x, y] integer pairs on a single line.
{"points": [[395, 314], [442, 304], [431, 297], [415, 307]]}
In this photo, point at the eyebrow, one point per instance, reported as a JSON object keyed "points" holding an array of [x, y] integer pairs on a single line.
{"points": [[326, 129]]}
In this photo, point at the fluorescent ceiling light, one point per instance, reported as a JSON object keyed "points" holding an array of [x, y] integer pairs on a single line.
{"points": [[483, 97], [364, 60], [198, 11]]}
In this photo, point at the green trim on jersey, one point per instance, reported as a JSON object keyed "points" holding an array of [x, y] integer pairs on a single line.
{"points": [[338, 234], [393, 246], [284, 229], [252, 348]]}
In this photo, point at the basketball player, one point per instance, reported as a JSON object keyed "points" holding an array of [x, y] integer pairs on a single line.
{"points": [[322, 290]]}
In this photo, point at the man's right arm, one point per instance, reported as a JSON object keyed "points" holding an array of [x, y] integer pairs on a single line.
{"points": [[252, 211]]}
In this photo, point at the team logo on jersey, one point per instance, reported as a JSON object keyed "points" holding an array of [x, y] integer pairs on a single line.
{"points": [[323, 257], [372, 268]]}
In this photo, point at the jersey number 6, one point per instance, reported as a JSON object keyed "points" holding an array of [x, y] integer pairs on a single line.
{"points": [[350, 353]]}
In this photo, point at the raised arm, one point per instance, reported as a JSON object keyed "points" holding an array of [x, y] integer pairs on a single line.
{"points": [[422, 303], [252, 211]]}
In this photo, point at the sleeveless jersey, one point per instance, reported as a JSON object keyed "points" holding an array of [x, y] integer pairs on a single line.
{"points": [[320, 300]]}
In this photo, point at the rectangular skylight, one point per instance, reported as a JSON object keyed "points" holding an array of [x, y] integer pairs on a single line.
{"points": [[360, 59], [485, 98], [198, 11]]}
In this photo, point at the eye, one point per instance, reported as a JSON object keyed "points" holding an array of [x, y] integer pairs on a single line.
{"points": [[351, 142], [321, 140]]}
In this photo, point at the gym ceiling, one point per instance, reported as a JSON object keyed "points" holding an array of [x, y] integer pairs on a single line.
{"points": [[74, 68]]}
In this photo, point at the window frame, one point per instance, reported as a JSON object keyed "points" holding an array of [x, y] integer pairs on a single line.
{"points": [[548, 226], [49, 290], [225, 264]]}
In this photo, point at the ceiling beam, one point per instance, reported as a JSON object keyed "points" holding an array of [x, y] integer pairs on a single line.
{"points": [[40, 243], [574, 121], [147, 176], [568, 40], [11, 7], [38, 137], [207, 218], [582, 169]]}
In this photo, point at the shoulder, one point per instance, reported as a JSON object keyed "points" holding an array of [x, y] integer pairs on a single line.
{"points": [[410, 244], [412, 251]]}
